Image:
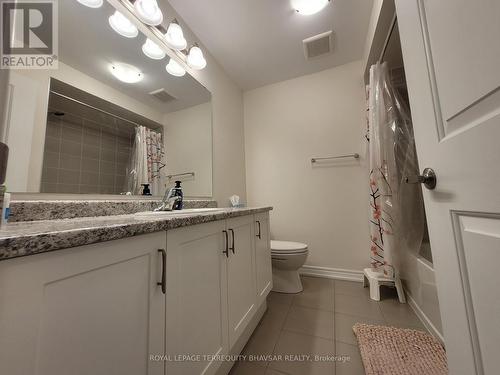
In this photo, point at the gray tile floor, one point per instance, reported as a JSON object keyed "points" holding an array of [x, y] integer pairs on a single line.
{"points": [[318, 321]]}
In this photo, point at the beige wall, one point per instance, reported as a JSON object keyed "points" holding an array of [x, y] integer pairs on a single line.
{"points": [[227, 132], [188, 148], [286, 124], [227, 113]]}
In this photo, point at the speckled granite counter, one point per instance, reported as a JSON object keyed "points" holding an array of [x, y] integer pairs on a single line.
{"points": [[32, 210], [28, 238]]}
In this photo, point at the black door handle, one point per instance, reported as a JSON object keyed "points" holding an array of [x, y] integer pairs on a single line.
{"points": [[232, 235], [226, 250], [260, 233], [163, 281]]}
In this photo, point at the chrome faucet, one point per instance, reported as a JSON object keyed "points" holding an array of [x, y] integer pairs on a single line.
{"points": [[168, 201]]}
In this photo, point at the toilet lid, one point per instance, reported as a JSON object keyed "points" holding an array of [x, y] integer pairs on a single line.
{"points": [[287, 247]]}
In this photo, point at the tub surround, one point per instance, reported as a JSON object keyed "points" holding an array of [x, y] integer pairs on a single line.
{"points": [[29, 238], [32, 210]]}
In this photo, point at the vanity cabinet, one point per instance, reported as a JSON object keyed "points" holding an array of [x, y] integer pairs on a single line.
{"points": [[95, 309], [196, 318], [169, 303], [263, 266], [212, 289]]}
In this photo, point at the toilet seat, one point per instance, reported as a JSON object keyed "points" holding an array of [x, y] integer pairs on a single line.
{"points": [[288, 247]]}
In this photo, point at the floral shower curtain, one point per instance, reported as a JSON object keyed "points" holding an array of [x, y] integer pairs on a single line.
{"points": [[396, 215], [147, 161]]}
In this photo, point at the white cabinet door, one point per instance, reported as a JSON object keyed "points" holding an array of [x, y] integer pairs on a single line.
{"points": [[240, 275], [263, 265], [94, 309], [196, 299], [451, 52]]}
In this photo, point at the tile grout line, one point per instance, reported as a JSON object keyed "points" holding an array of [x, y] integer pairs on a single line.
{"points": [[334, 325], [281, 330]]}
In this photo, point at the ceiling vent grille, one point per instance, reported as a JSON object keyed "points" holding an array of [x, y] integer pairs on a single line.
{"points": [[318, 45], [162, 95]]}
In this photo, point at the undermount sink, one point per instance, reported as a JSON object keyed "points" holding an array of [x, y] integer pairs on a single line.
{"points": [[188, 211]]}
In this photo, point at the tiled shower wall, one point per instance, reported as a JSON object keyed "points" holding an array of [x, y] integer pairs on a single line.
{"points": [[84, 155]]}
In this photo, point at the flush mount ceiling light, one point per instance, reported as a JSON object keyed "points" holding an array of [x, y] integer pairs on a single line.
{"points": [[126, 73], [174, 68], [152, 50], [91, 3], [308, 7], [122, 25], [148, 12], [195, 58], [174, 36]]}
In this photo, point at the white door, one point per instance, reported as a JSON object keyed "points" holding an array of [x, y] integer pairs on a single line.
{"points": [[451, 51], [21, 106], [94, 309], [196, 299], [263, 264], [242, 296]]}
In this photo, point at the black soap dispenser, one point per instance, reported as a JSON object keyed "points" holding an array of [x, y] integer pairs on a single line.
{"points": [[178, 193], [145, 189]]}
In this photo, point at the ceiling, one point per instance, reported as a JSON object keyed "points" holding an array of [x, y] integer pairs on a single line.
{"points": [[88, 44], [259, 42]]}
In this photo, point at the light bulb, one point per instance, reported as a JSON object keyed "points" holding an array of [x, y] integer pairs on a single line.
{"points": [[126, 73], [91, 3], [195, 58], [174, 37], [308, 7], [174, 68], [122, 25], [152, 50], [148, 12]]}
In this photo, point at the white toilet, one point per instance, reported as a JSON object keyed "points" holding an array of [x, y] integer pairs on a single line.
{"points": [[287, 258]]}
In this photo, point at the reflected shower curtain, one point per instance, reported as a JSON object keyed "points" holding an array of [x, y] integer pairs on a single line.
{"points": [[147, 161], [396, 215]]}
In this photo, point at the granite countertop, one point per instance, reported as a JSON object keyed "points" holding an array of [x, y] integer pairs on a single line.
{"points": [[35, 237]]}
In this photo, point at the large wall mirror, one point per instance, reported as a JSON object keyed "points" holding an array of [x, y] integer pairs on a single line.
{"points": [[80, 130]]}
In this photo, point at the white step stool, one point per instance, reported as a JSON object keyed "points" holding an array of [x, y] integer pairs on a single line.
{"points": [[376, 279]]}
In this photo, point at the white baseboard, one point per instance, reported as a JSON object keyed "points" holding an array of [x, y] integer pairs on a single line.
{"points": [[423, 318], [332, 273]]}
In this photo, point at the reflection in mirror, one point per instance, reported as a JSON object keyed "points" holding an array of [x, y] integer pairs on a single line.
{"points": [[90, 148], [80, 130]]}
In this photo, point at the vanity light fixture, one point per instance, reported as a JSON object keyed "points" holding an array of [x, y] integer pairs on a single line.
{"points": [[174, 37], [148, 12], [122, 25], [308, 7], [195, 58], [175, 69], [126, 73], [152, 50], [91, 3]]}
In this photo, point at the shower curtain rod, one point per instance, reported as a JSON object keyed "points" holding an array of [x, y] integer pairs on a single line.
{"points": [[97, 109]]}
